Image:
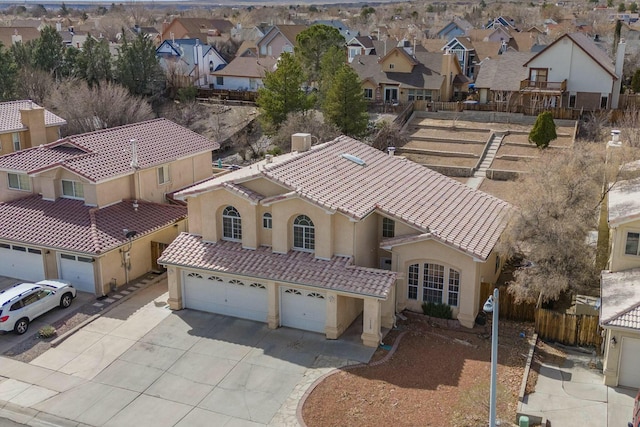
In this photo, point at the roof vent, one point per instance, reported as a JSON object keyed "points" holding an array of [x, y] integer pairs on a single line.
{"points": [[354, 159]]}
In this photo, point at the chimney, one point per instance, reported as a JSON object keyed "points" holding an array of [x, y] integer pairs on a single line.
{"points": [[33, 119], [268, 158], [134, 154], [391, 151], [615, 138], [58, 26], [300, 142], [615, 95]]}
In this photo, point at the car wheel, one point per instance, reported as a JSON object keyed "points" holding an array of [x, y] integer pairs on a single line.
{"points": [[66, 299], [21, 326]]}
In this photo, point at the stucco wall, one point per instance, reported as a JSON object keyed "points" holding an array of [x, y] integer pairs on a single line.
{"points": [[618, 260], [399, 61], [366, 242], [611, 365], [265, 187], [343, 235], [347, 311]]}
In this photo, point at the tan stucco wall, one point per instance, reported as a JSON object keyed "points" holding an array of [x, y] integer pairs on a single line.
{"points": [[114, 190], [7, 194], [366, 242], [399, 61], [611, 365], [50, 134], [618, 260], [283, 215], [435, 252], [264, 234], [265, 187], [347, 309], [343, 235]]}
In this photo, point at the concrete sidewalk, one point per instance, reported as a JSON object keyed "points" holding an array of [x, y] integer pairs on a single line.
{"points": [[574, 395], [142, 364]]}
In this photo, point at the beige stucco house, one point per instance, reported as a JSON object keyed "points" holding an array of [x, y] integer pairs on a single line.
{"points": [[328, 234], [620, 288], [24, 124], [92, 208]]}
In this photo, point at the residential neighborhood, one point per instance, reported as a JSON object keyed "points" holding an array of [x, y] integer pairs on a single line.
{"points": [[312, 215]]}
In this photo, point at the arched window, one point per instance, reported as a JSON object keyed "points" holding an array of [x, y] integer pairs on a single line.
{"points": [[267, 220], [434, 283], [231, 224], [304, 236], [211, 66]]}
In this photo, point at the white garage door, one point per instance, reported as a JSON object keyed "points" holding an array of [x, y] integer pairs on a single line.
{"points": [[79, 271], [302, 309], [629, 373], [21, 262], [236, 298]]}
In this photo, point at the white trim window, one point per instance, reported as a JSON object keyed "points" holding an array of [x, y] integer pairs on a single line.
{"points": [[632, 245], [19, 181], [304, 234], [72, 189], [439, 284], [163, 175], [231, 224], [267, 221]]}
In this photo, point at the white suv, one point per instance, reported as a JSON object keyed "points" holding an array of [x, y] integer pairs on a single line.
{"points": [[23, 302]]}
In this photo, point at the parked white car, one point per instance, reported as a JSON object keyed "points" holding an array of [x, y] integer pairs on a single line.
{"points": [[23, 302]]}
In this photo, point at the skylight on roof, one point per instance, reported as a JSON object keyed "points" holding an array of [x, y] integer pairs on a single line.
{"points": [[354, 159]]}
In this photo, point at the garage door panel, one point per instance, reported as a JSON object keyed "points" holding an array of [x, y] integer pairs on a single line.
{"points": [[629, 372], [234, 298], [303, 309], [79, 271], [21, 262]]}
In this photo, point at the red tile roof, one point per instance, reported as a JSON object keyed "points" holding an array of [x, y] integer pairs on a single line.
{"points": [[337, 274], [620, 305], [449, 211], [106, 154], [70, 225], [10, 120]]}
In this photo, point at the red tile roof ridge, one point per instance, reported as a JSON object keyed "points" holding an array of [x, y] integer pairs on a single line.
{"points": [[115, 128]]}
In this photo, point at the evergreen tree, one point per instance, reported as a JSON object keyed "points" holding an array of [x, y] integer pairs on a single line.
{"points": [[137, 67], [282, 93], [94, 62], [635, 81], [332, 60], [48, 51], [544, 130], [312, 44], [8, 74], [345, 105]]}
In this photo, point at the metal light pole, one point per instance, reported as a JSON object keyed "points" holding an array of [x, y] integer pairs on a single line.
{"points": [[492, 306]]}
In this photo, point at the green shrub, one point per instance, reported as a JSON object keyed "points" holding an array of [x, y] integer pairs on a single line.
{"points": [[439, 310], [544, 130], [186, 94], [47, 331]]}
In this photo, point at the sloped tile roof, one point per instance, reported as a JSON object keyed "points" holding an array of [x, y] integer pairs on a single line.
{"points": [[504, 72], [451, 212], [71, 225], [247, 66], [10, 120], [620, 294], [106, 153], [27, 34], [624, 201], [423, 77], [337, 274]]}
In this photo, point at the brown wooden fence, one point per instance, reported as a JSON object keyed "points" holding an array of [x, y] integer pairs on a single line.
{"points": [[568, 329], [228, 95], [521, 312]]}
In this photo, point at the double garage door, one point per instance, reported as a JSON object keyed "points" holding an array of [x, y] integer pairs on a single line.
{"points": [[300, 309], [629, 372], [21, 262]]}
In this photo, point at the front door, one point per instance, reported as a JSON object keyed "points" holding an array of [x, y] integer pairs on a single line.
{"points": [[391, 94]]}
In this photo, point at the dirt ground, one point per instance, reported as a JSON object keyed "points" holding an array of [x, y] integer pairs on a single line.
{"points": [[437, 377]]}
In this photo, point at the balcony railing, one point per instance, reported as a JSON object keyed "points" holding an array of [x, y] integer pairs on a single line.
{"points": [[535, 86]]}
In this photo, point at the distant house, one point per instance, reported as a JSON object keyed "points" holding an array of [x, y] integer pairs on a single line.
{"points": [[345, 31], [207, 30], [620, 287], [401, 76], [190, 59], [24, 124], [502, 21], [243, 73], [279, 39], [243, 34], [149, 32], [499, 79], [13, 35], [457, 27], [360, 45], [92, 208]]}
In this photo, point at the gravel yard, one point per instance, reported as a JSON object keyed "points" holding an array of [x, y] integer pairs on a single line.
{"points": [[437, 377]]}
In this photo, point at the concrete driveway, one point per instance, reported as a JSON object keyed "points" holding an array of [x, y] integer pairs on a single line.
{"points": [[141, 364], [10, 340]]}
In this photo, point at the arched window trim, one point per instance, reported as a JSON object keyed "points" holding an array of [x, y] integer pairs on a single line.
{"points": [[231, 224], [304, 234]]}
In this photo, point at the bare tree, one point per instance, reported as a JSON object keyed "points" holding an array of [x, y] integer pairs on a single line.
{"points": [[87, 109], [34, 84], [388, 134], [311, 122]]}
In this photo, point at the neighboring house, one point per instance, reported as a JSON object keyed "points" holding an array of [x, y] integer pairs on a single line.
{"points": [[325, 235], [400, 77], [457, 27], [91, 208], [278, 39], [247, 34], [149, 32], [205, 29], [571, 72], [361, 45], [190, 61], [463, 49], [13, 35], [499, 79], [243, 73], [345, 31], [502, 21], [24, 124], [620, 288]]}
